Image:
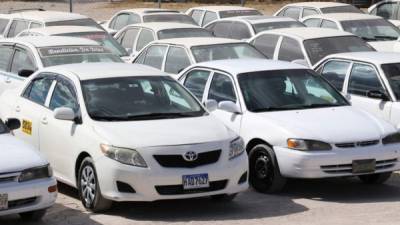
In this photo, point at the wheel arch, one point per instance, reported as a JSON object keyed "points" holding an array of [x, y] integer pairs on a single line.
{"points": [[79, 161], [254, 142]]}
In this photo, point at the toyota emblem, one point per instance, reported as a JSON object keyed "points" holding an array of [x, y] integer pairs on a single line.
{"points": [[190, 156]]}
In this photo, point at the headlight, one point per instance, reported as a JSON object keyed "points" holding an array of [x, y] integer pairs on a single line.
{"points": [[391, 139], [123, 155], [236, 148], [36, 173], [308, 145]]}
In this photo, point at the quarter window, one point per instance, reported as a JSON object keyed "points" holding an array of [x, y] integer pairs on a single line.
{"points": [[328, 24], [335, 72], [38, 90], [209, 17], [17, 26], [290, 50], [129, 38], [22, 60], [145, 37], [64, 96], [196, 82], [266, 44], [221, 88], [155, 56], [5, 57], [240, 31], [363, 78], [177, 60]]}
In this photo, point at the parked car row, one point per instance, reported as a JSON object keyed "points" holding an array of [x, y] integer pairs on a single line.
{"points": [[157, 104]]}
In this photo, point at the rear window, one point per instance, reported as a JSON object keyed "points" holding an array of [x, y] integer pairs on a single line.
{"points": [[341, 9], [276, 25], [80, 22], [3, 25], [233, 13], [178, 18], [183, 33]]}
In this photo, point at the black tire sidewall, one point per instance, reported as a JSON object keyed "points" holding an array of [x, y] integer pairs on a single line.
{"points": [[88, 162]]}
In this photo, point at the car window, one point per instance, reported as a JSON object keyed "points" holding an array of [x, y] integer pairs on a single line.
{"points": [[204, 53], [209, 17], [221, 28], [3, 25], [17, 26], [196, 81], [363, 78], [266, 44], [155, 56], [177, 60], [38, 90], [387, 10], [183, 33], [335, 72], [259, 27], [5, 57], [145, 37], [328, 24], [196, 15], [341, 9], [392, 73], [293, 12], [120, 21], [221, 88], [372, 29], [129, 38], [86, 22], [22, 60], [240, 31], [290, 50], [35, 25], [309, 12], [313, 22], [64, 96]]}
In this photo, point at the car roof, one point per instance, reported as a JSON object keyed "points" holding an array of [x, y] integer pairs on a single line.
{"points": [[317, 4], [47, 16], [306, 33], [259, 19], [196, 41], [54, 30], [218, 8], [88, 71], [372, 57], [157, 26], [47, 41], [344, 16], [238, 66], [143, 11]]}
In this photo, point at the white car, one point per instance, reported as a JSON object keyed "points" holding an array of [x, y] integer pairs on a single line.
{"points": [[174, 55], [204, 15], [22, 20], [92, 33], [386, 9], [27, 186], [243, 28], [135, 37], [302, 9], [5, 21], [294, 123], [20, 57], [129, 133], [144, 15], [370, 80], [378, 32], [308, 45]]}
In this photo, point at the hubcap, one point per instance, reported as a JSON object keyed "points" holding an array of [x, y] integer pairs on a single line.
{"points": [[262, 167], [88, 184]]}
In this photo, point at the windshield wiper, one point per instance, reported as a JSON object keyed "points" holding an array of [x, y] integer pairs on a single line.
{"points": [[386, 37], [151, 116], [369, 39], [272, 108], [321, 105]]}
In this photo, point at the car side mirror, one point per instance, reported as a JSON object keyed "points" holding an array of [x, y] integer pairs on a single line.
{"points": [[64, 113], [211, 105], [378, 95], [229, 106], [25, 73], [13, 124]]}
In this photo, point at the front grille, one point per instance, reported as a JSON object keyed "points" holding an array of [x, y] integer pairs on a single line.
{"points": [[178, 189], [21, 202], [348, 168], [177, 161], [357, 144], [7, 179]]}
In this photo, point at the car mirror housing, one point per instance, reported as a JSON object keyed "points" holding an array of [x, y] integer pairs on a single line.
{"points": [[13, 123], [25, 73], [211, 105], [64, 113], [229, 106], [378, 95]]}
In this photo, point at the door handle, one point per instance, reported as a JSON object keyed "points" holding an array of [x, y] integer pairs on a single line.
{"points": [[17, 109], [44, 120]]}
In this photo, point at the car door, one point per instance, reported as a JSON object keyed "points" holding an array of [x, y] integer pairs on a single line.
{"points": [[7, 52], [209, 17], [128, 39], [335, 71], [176, 60], [329, 24], [145, 37], [16, 27], [196, 82], [197, 16], [292, 12], [153, 56], [290, 50], [363, 79], [266, 44], [240, 31], [22, 60]]}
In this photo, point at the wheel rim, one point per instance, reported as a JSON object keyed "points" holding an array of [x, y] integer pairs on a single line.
{"points": [[88, 185], [263, 168]]}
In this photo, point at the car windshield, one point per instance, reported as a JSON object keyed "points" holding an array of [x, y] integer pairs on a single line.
{"points": [[225, 51], [138, 98], [320, 47], [259, 27], [176, 17], [372, 30], [392, 72], [79, 22], [103, 39], [234, 13], [287, 90], [183, 33], [3, 128], [60, 55], [341, 9]]}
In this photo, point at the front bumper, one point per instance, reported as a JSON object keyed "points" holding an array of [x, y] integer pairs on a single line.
{"points": [[336, 162]]}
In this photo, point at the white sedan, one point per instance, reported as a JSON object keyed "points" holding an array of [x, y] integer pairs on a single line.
{"points": [[27, 186], [129, 133], [294, 123]]}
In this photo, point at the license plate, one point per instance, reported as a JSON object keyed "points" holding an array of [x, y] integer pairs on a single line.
{"points": [[3, 201], [364, 166], [195, 181]]}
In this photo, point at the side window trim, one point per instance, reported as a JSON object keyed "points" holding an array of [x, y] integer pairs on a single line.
{"points": [[206, 92], [60, 78], [29, 52], [52, 86], [346, 78], [278, 47], [8, 70], [176, 46], [207, 86]]}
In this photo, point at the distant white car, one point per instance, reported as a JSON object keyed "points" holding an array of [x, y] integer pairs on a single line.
{"points": [[302, 9], [130, 133], [243, 28], [5, 21], [204, 15], [294, 123], [378, 32], [306, 46], [27, 185], [174, 55], [370, 80], [387, 9], [135, 37], [144, 15]]}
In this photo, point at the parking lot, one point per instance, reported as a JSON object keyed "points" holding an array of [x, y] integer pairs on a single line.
{"points": [[337, 201]]}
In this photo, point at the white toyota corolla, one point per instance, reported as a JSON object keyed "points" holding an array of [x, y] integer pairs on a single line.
{"points": [[127, 133], [294, 123], [27, 186]]}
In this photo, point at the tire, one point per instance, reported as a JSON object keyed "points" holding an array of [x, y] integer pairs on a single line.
{"points": [[265, 176], [33, 216], [224, 197], [378, 178], [89, 189]]}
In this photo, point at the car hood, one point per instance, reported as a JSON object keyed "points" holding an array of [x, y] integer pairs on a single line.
{"points": [[16, 156], [163, 132], [331, 125], [385, 46]]}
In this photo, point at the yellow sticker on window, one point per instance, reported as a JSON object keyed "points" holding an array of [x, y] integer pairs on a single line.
{"points": [[27, 127]]}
